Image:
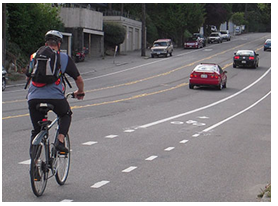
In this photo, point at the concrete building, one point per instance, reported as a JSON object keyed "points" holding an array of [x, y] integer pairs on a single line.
{"points": [[86, 27], [133, 32]]}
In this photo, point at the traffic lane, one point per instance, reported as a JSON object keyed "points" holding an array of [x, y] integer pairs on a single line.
{"points": [[134, 152], [161, 64], [111, 124]]}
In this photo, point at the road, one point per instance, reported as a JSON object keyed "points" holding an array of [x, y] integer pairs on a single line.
{"points": [[141, 134]]}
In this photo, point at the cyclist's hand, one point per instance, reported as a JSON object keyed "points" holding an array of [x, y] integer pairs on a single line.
{"points": [[79, 95]]}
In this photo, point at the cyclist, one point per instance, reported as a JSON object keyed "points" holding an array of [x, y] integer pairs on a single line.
{"points": [[54, 93]]}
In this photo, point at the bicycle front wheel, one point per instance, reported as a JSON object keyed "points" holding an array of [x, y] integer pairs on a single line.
{"points": [[63, 164], [38, 169]]}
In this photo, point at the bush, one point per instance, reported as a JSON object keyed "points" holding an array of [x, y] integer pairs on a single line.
{"points": [[114, 34]]}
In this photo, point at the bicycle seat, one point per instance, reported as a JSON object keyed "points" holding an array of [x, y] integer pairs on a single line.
{"points": [[44, 107]]}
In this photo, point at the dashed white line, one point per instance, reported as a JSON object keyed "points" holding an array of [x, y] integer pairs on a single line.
{"points": [[26, 162], [111, 136], [195, 135], [89, 143], [184, 141], [129, 169], [169, 148], [100, 184], [151, 158], [129, 130], [66, 200]]}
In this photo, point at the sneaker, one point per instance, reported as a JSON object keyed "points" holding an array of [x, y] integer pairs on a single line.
{"points": [[60, 146], [37, 176]]}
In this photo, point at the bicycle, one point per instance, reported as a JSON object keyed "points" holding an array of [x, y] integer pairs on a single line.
{"points": [[44, 156]]}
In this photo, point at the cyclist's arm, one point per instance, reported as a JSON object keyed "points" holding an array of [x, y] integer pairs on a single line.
{"points": [[79, 93], [73, 72]]}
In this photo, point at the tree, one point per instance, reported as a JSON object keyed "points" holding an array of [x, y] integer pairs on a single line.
{"points": [[114, 34], [27, 25]]}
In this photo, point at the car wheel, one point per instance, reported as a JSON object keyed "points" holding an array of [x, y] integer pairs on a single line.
{"points": [[191, 86], [234, 65], [220, 86], [225, 85]]}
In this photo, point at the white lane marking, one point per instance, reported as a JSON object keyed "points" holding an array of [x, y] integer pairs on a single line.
{"points": [[129, 169], [100, 184], [111, 136], [204, 107], [203, 117], [129, 130], [195, 135], [66, 200], [89, 143], [235, 115], [26, 162], [199, 124], [151, 158], [191, 122], [176, 122], [184, 141], [169, 148]]}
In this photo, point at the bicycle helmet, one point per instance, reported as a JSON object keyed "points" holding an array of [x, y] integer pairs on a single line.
{"points": [[54, 35]]}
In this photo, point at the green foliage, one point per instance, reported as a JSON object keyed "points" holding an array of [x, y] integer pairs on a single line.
{"points": [[28, 23], [238, 18], [114, 34]]}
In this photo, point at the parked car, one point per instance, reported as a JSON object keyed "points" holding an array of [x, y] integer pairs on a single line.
{"points": [[208, 74], [246, 58], [226, 35], [193, 42], [215, 37], [202, 37], [162, 47], [267, 45]]}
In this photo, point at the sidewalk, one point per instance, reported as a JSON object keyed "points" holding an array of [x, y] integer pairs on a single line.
{"points": [[95, 64]]}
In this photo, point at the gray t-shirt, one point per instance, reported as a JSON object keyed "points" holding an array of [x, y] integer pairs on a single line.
{"points": [[53, 91]]}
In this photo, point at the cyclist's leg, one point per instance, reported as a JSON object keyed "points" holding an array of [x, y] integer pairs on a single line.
{"points": [[35, 116], [62, 109]]}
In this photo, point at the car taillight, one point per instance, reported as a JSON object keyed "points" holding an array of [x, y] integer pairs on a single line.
{"points": [[251, 58], [236, 57], [193, 75], [214, 76]]}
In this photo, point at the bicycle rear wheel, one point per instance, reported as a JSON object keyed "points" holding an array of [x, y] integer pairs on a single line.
{"points": [[63, 164], [38, 169]]}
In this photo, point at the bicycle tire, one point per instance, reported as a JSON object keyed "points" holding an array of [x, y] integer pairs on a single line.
{"points": [[38, 169], [63, 164]]}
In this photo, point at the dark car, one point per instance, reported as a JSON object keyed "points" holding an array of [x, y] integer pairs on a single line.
{"points": [[193, 42], [267, 45], [246, 58], [208, 74]]}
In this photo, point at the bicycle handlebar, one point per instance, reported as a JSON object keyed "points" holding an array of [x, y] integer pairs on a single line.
{"points": [[72, 95]]}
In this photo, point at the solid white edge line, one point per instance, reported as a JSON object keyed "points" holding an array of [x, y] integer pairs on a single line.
{"points": [[235, 115], [204, 107]]}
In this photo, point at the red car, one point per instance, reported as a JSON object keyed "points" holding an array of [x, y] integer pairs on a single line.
{"points": [[193, 42], [208, 74]]}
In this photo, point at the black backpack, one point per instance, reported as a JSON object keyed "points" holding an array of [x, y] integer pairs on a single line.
{"points": [[45, 67]]}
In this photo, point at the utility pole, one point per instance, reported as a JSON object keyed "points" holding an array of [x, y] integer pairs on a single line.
{"points": [[143, 41], [3, 34]]}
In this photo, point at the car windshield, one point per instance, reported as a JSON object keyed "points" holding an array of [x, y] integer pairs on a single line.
{"points": [[245, 53], [206, 68], [223, 32], [157, 44], [214, 35]]}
